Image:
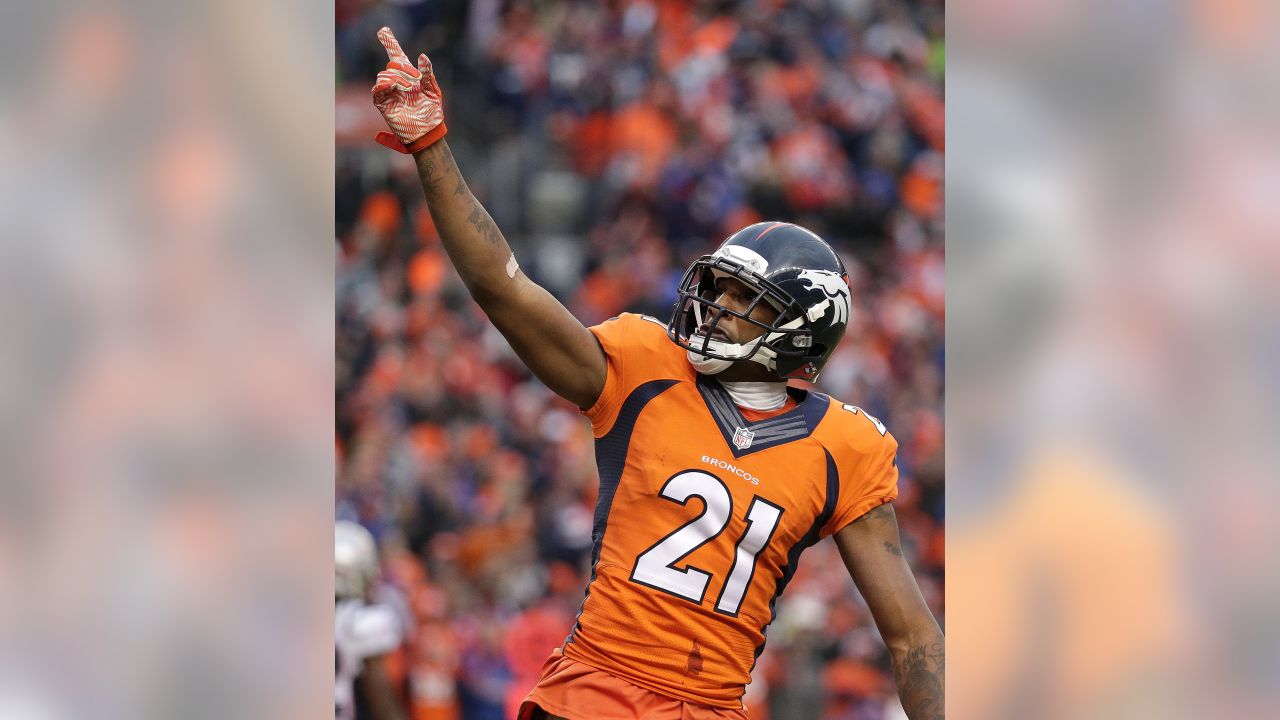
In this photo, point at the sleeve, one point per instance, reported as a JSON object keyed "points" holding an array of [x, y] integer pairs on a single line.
{"points": [[636, 350], [866, 483], [612, 336]]}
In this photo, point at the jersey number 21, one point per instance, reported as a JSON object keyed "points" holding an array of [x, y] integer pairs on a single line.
{"points": [[656, 567]]}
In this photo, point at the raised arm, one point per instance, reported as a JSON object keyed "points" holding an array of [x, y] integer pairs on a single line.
{"points": [[871, 549], [551, 342], [548, 338]]}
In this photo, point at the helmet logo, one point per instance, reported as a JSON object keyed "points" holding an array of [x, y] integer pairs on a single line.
{"points": [[834, 288], [748, 258], [742, 438]]}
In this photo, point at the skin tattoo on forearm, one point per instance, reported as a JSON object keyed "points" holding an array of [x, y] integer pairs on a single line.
{"points": [[431, 175], [480, 220], [920, 681]]}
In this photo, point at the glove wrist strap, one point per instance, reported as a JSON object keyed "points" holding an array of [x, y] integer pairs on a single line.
{"points": [[422, 143], [427, 140]]}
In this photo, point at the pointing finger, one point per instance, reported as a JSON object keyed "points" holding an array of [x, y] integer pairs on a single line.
{"points": [[388, 40]]}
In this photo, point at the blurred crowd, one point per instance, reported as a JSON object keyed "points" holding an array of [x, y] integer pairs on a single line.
{"points": [[614, 142]]}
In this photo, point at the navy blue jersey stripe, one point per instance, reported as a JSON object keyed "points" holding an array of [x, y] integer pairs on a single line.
{"points": [[725, 412], [807, 541], [798, 428], [611, 458], [777, 424], [791, 427]]}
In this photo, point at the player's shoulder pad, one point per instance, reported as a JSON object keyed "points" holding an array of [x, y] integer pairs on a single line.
{"points": [[643, 323], [851, 434], [646, 331]]}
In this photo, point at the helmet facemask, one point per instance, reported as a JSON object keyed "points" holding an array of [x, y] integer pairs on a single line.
{"points": [[697, 316]]}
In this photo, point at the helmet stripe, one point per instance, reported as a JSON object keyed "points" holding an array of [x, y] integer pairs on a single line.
{"points": [[769, 229]]}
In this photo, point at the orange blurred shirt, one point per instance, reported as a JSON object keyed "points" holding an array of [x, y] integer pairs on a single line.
{"points": [[702, 515]]}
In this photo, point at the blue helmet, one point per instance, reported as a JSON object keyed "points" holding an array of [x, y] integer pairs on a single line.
{"points": [[788, 267]]}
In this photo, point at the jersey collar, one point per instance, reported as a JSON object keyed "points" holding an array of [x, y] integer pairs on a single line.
{"points": [[745, 437]]}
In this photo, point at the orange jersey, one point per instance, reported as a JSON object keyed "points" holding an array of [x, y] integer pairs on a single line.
{"points": [[702, 515]]}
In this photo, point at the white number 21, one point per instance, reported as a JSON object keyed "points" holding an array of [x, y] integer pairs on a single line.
{"points": [[656, 567]]}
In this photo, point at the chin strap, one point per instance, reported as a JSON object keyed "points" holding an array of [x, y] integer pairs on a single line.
{"points": [[712, 366], [706, 365]]}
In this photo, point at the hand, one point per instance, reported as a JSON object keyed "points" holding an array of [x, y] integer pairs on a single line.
{"points": [[409, 100]]}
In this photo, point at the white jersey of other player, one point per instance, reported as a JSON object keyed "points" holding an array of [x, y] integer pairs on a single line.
{"points": [[360, 631]]}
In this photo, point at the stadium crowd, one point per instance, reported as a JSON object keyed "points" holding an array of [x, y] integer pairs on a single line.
{"points": [[613, 142]]}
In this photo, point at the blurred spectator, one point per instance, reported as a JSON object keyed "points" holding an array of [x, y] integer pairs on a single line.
{"points": [[614, 143]]}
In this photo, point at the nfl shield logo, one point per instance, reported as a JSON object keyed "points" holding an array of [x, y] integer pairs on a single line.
{"points": [[742, 438]]}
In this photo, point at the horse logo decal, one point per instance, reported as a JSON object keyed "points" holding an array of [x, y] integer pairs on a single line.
{"points": [[835, 290]]}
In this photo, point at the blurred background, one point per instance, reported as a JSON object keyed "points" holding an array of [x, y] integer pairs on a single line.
{"points": [[613, 143], [166, 360], [1113, 264]]}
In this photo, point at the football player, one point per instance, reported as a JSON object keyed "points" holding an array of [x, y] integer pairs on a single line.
{"points": [[714, 475], [364, 632]]}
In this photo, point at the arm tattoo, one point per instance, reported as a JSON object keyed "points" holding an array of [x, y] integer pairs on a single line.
{"points": [[878, 512], [432, 178], [920, 674], [484, 224], [430, 172], [890, 547]]}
